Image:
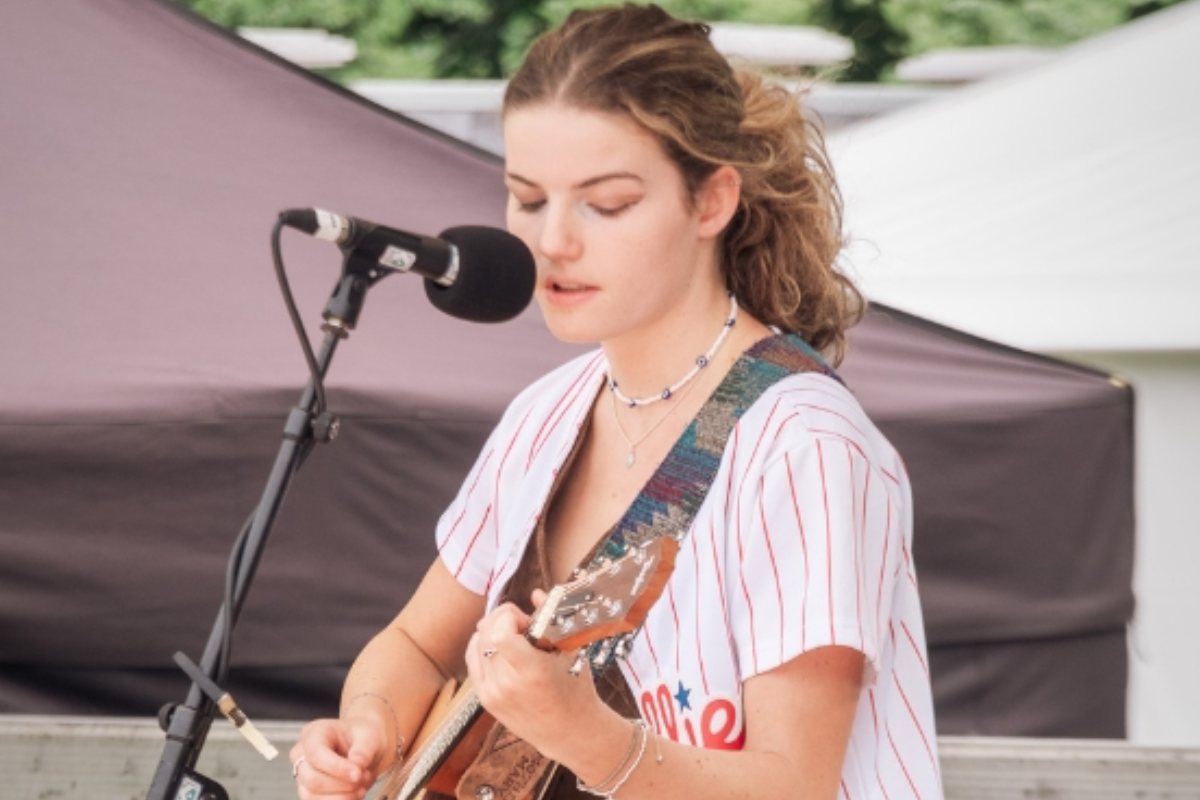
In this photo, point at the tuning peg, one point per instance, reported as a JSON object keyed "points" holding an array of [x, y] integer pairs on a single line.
{"points": [[580, 662]]}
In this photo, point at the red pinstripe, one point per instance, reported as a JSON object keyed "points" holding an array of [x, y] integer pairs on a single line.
{"points": [[500, 468], [471, 546], [699, 638], [774, 568], [879, 780], [908, 560], [830, 411], [762, 434], [532, 524], [815, 390], [803, 548], [917, 722], [465, 504], [712, 539], [843, 437], [900, 761], [845, 791], [645, 637], [572, 391], [828, 541], [859, 532], [675, 616], [746, 593], [887, 536], [915, 647], [741, 549], [732, 464], [633, 672]]}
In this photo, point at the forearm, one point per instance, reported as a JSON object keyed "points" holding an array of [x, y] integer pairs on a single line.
{"points": [[799, 718], [398, 674], [392, 685], [668, 769]]}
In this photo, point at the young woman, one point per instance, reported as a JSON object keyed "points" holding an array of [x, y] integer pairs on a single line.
{"points": [[680, 214]]}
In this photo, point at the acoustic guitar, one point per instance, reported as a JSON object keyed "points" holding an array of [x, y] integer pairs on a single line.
{"points": [[598, 612]]}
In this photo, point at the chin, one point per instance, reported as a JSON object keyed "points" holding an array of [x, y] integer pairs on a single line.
{"points": [[572, 328]]}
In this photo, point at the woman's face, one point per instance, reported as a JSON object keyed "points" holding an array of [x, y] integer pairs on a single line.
{"points": [[619, 248]]}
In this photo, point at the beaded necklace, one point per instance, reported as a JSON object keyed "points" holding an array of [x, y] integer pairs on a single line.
{"points": [[701, 362]]}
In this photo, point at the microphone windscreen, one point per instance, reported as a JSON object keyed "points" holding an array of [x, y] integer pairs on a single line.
{"points": [[496, 276]]}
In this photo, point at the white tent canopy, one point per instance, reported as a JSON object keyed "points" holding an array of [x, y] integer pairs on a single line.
{"points": [[780, 45], [1057, 209]]}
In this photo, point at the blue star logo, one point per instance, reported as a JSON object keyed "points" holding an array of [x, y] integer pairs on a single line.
{"points": [[683, 697]]}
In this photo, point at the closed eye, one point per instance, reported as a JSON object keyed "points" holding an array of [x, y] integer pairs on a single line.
{"points": [[530, 207], [612, 212]]}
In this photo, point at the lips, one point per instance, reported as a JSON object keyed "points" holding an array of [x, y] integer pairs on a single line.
{"points": [[562, 291]]}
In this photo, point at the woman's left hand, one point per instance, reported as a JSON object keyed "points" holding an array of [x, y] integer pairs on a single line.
{"points": [[530, 691]]}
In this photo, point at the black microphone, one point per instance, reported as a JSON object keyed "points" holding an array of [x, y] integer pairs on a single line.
{"points": [[471, 272]]}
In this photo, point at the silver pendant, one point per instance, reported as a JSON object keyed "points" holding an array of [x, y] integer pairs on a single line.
{"points": [[629, 459]]}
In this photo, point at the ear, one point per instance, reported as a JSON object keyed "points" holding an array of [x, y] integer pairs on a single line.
{"points": [[717, 200]]}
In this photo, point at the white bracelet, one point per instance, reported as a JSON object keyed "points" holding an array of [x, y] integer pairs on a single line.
{"points": [[640, 731]]}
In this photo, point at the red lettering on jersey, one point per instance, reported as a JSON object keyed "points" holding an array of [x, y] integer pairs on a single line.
{"points": [[718, 721], [729, 736]]}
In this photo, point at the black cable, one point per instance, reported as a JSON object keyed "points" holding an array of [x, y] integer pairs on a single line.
{"points": [[233, 567], [305, 345]]}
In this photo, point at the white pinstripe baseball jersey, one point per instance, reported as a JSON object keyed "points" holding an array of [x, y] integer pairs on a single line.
{"points": [[804, 540]]}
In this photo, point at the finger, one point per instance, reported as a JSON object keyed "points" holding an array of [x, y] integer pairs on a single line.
{"points": [[310, 782], [506, 621], [325, 748], [538, 596]]}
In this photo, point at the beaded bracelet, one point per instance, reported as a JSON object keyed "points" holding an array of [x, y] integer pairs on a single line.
{"points": [[395, 719]]}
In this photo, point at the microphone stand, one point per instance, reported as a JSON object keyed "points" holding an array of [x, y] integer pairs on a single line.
{"points": [[186, 725]]}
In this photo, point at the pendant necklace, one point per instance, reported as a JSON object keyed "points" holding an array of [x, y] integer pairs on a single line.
{"points": [[686, 383]]}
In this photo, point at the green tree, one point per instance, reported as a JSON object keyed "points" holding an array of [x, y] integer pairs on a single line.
{"points": [[487, 38], [475, 38], [878, 44]]}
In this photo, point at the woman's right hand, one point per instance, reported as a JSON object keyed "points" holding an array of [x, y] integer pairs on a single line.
{"points": [[338, 759]]}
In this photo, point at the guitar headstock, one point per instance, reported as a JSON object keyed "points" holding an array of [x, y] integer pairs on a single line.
{"points": [[609, 600]]}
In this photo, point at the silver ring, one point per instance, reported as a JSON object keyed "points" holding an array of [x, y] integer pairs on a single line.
{"points": [[491, 651], [296, 766]]}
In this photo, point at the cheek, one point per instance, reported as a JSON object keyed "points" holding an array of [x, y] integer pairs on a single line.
{"points": [[522, 226]]}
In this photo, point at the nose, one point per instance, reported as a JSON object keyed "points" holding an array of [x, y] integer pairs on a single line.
{"points": [[559, 239]]}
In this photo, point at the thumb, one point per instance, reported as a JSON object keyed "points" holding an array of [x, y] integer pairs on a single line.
{"points": [[538, 597], [364, 747]]}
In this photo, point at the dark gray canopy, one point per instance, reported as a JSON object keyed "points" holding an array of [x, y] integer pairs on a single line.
{"points": [[145, 155]]}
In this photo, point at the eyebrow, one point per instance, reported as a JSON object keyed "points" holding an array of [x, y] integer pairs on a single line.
{"points": [[608, 176]]}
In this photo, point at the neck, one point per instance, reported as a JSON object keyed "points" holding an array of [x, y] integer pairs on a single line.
{"points": [[647, 361]]}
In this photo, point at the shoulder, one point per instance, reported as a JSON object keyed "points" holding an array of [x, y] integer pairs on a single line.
{"points": [[541, 422], [812, 410], [558, 389]]}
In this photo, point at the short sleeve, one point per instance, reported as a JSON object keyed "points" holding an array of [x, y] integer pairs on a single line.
{"points": [[467, 534], [815, 550]]}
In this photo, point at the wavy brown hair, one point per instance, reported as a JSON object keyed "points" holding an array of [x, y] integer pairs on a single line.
{"points": [[779, 251]]}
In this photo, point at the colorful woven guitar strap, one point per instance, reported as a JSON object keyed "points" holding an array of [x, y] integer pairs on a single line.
{"points": [[669, 501]]}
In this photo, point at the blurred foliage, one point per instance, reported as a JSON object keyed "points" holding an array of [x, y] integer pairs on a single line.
{"points": [[486, 38]]}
